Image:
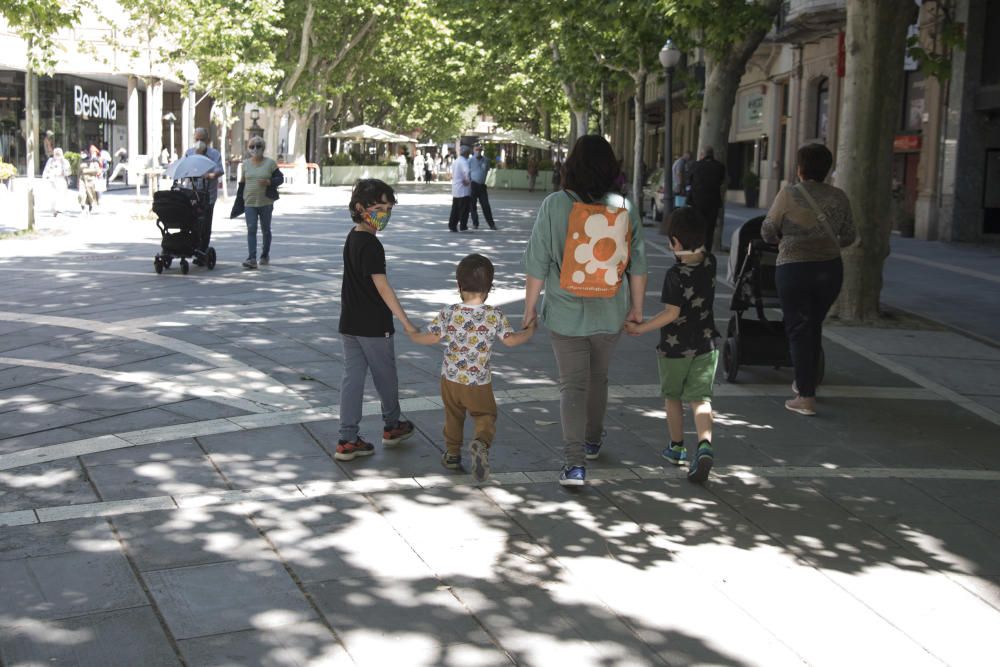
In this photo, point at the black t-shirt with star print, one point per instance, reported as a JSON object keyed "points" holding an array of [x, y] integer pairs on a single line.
{"points": [[690, 287]]}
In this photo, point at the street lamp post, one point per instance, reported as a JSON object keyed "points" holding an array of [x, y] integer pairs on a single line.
{"points": [[670, 55], [255, 129]]}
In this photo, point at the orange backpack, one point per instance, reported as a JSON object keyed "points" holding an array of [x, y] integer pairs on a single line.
{"points": [[596, 254]]}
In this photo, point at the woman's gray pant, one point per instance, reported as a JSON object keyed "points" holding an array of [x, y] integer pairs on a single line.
{"points": [[583, 389]]}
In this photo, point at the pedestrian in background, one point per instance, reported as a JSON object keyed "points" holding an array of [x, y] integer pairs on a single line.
{"points": [[468, 331], [461, 191], [810, 221], [532, 173], [708, 178], [57, 173], [259, 176], [418, 166], [90, 175], [678, 174], [478, 168], [367, 306], [211, 184], [587, 296]]}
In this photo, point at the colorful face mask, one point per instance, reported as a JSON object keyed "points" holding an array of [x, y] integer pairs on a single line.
{"points": [[377, 219]]}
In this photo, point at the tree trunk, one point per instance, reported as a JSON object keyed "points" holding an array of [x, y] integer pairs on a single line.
{"points": [[875, 43], [640, 138], [582, 122], [223, 130]]}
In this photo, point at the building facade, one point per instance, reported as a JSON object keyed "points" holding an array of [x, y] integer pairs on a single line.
{"points": [[946, 145], [97, 95]]}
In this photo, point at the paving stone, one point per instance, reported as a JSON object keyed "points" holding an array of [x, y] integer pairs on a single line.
{"points": [[67, 584], [211, 599], [126, 637], [277, 442], [119, 481], [361, 610], [43, 484], [193, 536], [347, 538], [31, 418], [11, 399], [302, 644], [132, 421], [272, 472], [185, 448]]}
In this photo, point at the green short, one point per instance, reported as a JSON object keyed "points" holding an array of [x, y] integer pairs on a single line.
{"points": [[688, 379]]}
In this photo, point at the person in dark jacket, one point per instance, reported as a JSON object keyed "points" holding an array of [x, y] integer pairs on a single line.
{"points": [[708, 177]]}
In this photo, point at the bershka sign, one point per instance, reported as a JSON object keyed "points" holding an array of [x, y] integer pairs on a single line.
{"points": [[94, 106]]}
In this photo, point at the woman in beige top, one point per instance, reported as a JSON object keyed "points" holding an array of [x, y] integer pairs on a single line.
{"points": [[810, 221]]}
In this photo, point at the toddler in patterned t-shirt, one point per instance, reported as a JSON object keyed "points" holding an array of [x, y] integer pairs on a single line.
{"points": [[468, 330]]}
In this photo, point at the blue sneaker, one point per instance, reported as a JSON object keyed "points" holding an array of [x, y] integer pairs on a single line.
{"points": [[698, 472], [676, 454], [573, 476], [591, 451]]}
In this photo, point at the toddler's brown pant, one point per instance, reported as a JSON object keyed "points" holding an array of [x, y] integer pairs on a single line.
{"points": [[478, 401]]}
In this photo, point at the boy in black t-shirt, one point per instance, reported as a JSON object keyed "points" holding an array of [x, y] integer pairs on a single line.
{"points": [[367, 304], [688, 354]]}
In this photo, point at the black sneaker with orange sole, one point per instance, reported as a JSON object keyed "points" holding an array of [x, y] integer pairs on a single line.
{"points": [[394, 436], [347, 451]]}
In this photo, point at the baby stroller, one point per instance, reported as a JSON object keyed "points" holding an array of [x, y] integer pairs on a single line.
{"points": [[180, 215], [755, 342]]}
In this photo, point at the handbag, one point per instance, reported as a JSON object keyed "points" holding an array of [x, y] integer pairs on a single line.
{"points": [[277, 178], [239, 206]]}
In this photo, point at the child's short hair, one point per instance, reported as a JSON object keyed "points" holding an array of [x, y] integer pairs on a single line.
{"points": [[687, 226], [475, 274], [368, 192]]}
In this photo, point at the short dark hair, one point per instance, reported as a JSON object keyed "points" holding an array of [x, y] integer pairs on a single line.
{"points": [[368, 192], [475, 274], [686, 226], [815, 161], [591, 168]]}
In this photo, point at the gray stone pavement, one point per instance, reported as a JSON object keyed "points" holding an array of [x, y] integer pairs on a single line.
{"points": [[168, 493]]}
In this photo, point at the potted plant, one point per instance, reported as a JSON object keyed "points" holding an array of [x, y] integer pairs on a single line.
{"points": [[7, 172], [74, 167], [751, 188]]}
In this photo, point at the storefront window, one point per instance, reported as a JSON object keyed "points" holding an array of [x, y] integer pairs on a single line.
{"points": [[913, 102], [12, 148]]}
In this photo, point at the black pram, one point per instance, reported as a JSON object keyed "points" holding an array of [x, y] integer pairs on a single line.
{"points": [[755, 342], [180, 217]]}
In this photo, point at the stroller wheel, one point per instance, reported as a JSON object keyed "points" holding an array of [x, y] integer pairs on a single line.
{"points": [[157, 264], [184, 266], [168, 261], [731, 358], [210, 259]]}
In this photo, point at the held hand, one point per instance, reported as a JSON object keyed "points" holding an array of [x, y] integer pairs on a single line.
{"points": [[634, 315], [410, 329], [530, 320], [632, 329]]}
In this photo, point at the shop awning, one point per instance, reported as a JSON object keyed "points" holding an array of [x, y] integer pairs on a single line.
{"points": [[369, 133], [517, 136]]}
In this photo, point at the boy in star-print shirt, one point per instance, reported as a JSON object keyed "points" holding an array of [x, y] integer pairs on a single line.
{"points": [[688, 350], [468, 330]]}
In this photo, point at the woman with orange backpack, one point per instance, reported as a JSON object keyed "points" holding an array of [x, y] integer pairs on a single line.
{"points": [[586, 251]]}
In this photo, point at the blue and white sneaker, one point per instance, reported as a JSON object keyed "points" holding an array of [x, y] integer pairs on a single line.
{"points": [[698, 472], [591, 451], [573, 476], [676, 454]]}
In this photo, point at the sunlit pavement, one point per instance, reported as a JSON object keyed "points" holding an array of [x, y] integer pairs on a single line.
{"points": [[168, 493]]}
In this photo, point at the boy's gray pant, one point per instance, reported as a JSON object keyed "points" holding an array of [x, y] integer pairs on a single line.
{"points": [[362, 354], [583, 389]]}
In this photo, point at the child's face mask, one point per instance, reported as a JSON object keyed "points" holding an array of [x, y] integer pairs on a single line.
{"points": [[378, 218]]}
